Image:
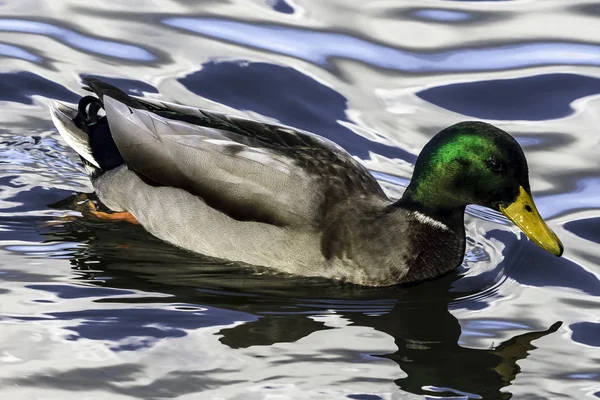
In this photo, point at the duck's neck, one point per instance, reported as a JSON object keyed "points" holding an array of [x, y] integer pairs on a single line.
{"points": [[433, 204], [440, 244]]}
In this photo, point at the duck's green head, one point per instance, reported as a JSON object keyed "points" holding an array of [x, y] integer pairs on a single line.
{"points": [[477, 163]]}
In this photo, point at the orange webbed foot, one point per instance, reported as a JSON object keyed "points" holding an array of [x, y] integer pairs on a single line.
{"points": [[90, 211]]}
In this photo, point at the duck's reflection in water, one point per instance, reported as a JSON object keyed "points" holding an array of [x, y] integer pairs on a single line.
{"points": [[417, 317]]}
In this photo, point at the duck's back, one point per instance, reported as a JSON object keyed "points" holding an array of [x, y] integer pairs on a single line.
{"points": [[249, 170]]}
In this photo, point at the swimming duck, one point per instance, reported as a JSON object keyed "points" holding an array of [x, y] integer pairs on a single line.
{"points": [[268, 195]]}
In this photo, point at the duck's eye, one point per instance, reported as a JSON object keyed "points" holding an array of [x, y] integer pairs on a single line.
{"points": [[495, 165]]}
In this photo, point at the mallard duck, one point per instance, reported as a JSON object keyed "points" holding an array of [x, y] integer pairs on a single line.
{"points": [[268, 195]]}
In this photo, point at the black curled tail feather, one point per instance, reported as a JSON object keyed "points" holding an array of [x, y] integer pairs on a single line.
{"points": [[87, 129], [87, 112], [95, 124]]}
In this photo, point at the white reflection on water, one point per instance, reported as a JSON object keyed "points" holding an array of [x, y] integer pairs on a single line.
{"points": [[77, 40], [319, 47]]}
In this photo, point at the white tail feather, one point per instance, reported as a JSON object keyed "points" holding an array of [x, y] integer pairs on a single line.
{"points": [[62, 117]]}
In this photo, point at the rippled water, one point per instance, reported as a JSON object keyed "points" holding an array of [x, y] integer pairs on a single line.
{"points": [[95, 310]]}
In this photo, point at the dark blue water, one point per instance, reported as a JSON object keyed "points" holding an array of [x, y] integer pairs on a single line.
{"points": [[99, 310]]}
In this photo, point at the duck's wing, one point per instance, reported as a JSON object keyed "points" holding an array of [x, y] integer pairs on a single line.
{"points": [[249, 170]]}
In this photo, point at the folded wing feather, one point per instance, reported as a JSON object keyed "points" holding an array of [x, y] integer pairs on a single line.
{"points": [[246, 182]]}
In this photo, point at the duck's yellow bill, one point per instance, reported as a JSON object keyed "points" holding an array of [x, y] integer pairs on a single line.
{"points": [[526, 216]]}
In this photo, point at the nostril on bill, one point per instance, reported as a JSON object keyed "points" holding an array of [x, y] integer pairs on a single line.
{"points": [[528, 208]]}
